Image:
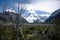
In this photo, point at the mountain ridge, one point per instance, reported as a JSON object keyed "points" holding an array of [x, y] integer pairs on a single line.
{"points": [[33, 16], [54, 18], [10, 17]]}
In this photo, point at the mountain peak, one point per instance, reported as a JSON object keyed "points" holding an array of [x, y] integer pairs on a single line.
{"points": [[33, 16]]}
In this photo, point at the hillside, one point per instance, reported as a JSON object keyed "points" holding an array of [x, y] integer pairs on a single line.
{"points": [[54, 18], [10, 17]]}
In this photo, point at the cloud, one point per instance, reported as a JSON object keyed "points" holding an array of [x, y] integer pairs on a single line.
{"points": [[47, 6]]}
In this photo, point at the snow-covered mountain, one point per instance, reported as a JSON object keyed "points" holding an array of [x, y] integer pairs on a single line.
{"points": [[33, 16], [36, 16]]}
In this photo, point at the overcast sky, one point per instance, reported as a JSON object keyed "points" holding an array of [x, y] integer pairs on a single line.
{"points": [[42, 5], [45, 5]]}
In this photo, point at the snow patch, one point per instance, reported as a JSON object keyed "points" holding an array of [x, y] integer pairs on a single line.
{"points": [[10, 10]]}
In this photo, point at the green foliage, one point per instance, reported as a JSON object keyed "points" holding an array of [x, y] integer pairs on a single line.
{"points": [[9, 33]]}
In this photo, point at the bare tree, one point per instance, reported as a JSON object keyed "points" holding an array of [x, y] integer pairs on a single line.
{"points": [[21, 7]]}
